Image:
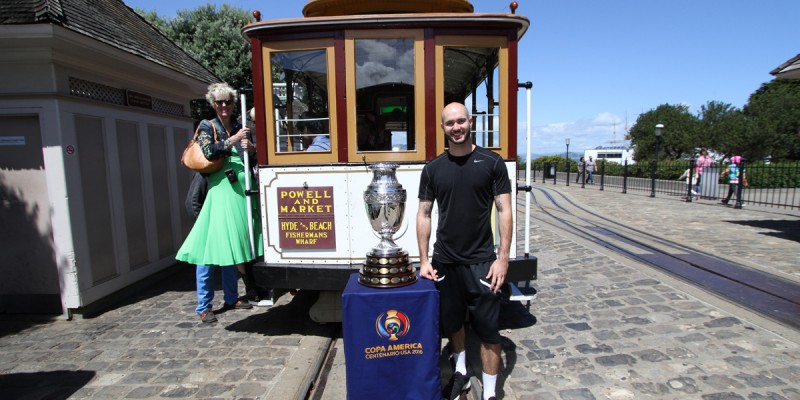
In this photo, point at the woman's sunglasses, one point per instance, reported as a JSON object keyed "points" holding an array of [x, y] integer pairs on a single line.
{"points": [[223, 102]]}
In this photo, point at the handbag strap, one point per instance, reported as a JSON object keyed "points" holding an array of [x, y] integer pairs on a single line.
{"points": [[213, 127]]}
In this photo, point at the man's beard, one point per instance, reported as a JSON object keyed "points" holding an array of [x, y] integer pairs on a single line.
{"points": [[467, 136]]}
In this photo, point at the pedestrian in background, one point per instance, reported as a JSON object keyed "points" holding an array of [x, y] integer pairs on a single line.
{"points": [[465, 181], [734, 174], [691, 179], [581, 170], [219, 239], [590, 167], [703, 162]]}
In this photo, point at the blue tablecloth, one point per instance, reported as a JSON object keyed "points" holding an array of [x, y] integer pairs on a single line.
{"points": [[391, 341]]}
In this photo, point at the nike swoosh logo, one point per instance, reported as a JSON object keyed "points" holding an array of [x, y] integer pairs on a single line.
{"points": [[477, 161]]}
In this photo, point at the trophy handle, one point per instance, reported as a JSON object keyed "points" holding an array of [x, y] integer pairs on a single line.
{"points": [[403, 226]]}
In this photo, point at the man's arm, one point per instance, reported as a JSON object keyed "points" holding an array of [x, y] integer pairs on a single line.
{"points": [[497, 273], [424, 239]]}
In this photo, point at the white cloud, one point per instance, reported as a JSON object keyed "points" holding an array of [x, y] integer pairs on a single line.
{"points": [[604, 129], [384, 61]]}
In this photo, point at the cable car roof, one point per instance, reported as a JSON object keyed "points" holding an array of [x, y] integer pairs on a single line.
{"points": [[473, 22], [328, 8]]}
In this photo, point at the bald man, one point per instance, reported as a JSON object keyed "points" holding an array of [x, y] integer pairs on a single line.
{"points": [[465, 181]]}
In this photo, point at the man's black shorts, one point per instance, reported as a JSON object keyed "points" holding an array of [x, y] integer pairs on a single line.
{"points": [[464, 288]]}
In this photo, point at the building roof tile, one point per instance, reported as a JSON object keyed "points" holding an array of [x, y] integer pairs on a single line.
{"points": [[108, 21], [789, 69]]}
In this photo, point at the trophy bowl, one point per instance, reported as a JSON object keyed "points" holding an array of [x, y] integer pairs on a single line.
{"points": [[387, 263]]}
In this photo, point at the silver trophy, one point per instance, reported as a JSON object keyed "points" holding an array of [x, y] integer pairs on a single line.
{"points": [[387, 263]]}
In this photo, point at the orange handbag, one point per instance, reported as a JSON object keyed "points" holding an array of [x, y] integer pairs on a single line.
{"points": [[194, 159]]}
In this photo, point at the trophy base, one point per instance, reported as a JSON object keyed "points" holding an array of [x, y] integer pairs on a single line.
{"points": [[387, 270]]}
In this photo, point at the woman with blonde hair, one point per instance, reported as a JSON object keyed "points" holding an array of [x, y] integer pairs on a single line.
{"points": [[220, 236]]}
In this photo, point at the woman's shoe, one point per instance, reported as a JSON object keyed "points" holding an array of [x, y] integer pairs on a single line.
{"points": [[208, 316]]}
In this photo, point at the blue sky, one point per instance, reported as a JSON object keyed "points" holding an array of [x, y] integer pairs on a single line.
{"points": [[596, 64]]}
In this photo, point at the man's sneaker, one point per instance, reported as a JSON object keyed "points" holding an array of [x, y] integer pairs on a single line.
{"points": [[259, 302], [264, 300], [239, 305], [461, 384], [208, 316]]}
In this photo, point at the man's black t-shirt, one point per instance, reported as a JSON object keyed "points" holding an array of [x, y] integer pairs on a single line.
{"points": [[464, 189]]}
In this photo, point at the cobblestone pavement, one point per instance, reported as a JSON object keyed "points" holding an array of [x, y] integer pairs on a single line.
{"points": [[602, 327], [154, 346], [607, 328]]}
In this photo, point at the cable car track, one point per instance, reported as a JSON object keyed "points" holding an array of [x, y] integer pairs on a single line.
{"points": [[320, 376], [761, 292]]}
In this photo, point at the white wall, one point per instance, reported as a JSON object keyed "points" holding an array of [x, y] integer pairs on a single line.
{"points": [[86, 162]]}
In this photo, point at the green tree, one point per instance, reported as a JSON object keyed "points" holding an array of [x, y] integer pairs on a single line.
{"points": [[213, 37], [153, 18], [678, 138], [774, 113], [557, 162], [723, 129]]}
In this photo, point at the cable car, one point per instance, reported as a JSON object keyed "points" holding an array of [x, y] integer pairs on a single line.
{"points": [[354, 83]]}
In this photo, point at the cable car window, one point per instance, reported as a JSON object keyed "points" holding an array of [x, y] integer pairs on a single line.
{"points": [[471, 77], [300, 100], [385, 94]]}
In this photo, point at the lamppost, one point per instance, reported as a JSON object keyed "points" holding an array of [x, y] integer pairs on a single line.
{"points": [[659, 128], [567, 142]]}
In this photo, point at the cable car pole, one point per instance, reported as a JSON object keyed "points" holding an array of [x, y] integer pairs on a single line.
{"points": [[248, 204], [527, 85]]}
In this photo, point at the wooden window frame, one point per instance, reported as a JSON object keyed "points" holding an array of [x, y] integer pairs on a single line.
{"points": [[313, 157], [500, 42], [418, 154]]}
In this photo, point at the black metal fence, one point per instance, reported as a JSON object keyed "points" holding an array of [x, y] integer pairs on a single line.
{"points": [[767, 184]]}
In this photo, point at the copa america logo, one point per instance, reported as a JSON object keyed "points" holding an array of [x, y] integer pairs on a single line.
{"points": [[392, 324]]}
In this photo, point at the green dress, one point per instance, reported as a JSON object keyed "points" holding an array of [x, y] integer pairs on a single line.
{"points": [[220, 235]]}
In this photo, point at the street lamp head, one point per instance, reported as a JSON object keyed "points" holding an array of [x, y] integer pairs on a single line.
{"points": [[566, 141], [659, 128]]}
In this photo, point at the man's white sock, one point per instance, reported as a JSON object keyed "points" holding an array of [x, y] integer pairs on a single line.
{"points": [[489, 383], [461, 362]]}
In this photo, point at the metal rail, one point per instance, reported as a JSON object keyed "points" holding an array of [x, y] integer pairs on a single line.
{"points": [[770, 185], [317, 387]]}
